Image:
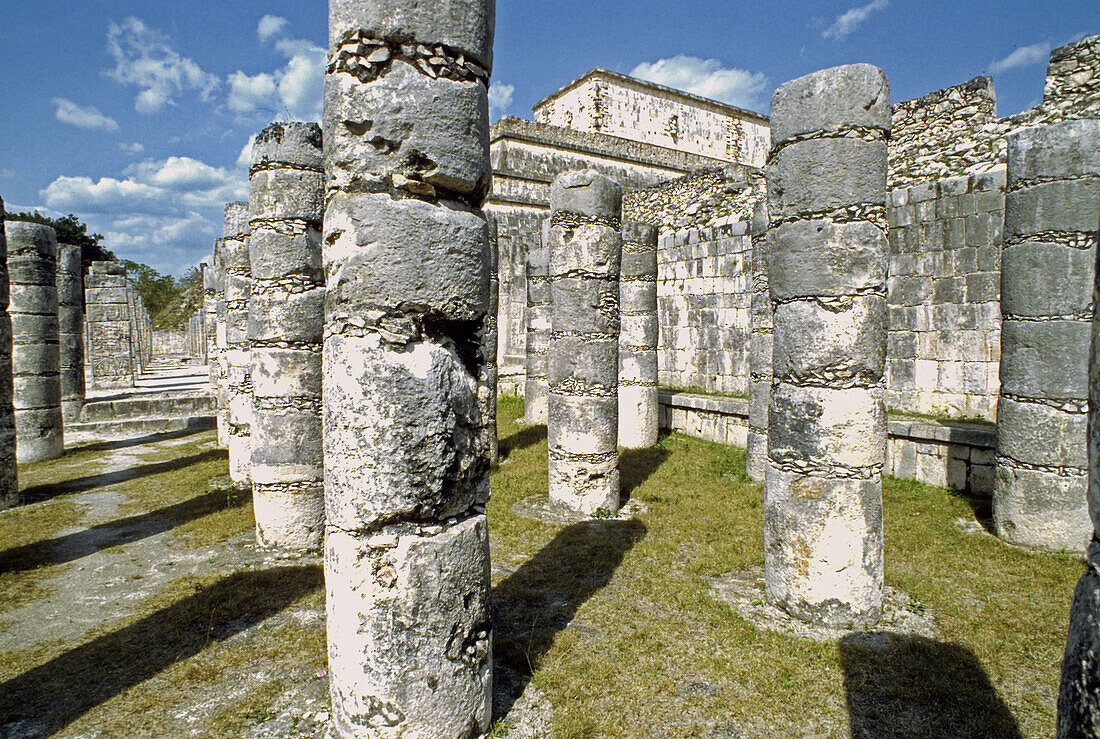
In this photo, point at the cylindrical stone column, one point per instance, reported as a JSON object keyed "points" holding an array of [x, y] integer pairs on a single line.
{"points": [[209, 320], [487, 382], [760, 347], [638, 416], [238, 287], [285, 321], [32, 269], [9, 473], [1052, 203], [405, 253], [108, 350], [535, 387], [70, 313], [583, 406], [826, 177], [219, 365]]}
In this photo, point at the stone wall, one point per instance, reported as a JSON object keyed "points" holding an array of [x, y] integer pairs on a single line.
{"points": [[944, 296], [698, 200], [703, 300], [615, 104]]}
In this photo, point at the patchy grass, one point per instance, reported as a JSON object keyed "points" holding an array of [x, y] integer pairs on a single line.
{"points": [[692, 390], [944, 418]]}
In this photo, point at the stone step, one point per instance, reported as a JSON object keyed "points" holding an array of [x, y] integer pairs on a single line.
{"points": [[151, 406], [125, 428]]}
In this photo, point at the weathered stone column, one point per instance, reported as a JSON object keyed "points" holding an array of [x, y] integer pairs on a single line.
{"points": [[487, 382], [219, 365], [1047, 269], [238, 287], [1079, 697], [70, 313], [638, 419], [760, 347], [536, 387], [405, 252], [9, 472], [108, 323], [827, 276], [209, 321], [286, 313], [582, 414], [32, 270]]}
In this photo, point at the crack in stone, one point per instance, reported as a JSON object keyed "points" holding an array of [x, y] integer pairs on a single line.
{"points": [[1033, 181], [570, 221], [367, 58], [872, 213], [870, 134], [1071, 239]]}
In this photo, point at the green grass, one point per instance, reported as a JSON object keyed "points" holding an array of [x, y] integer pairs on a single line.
{"points": [[692, 390], [943, 417]]}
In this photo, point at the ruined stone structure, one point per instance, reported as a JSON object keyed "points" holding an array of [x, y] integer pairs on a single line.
{"points": [[32, 272], [626, 107], [638, 337], [1047, 273], [536, 384], [827, 280], [583, 407], [406, 255], [9, 471], [70, 314], [238, 288], [285, 322], [760, 348], [209, 318], [487, 382], [108, 325], [219, 365]]}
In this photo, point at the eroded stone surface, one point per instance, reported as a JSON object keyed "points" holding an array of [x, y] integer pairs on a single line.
{"points": [[9, 482], [638, 337], [238, 378]]}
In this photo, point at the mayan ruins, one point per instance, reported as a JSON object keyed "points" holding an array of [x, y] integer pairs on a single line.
{"points": [[746, 384]]}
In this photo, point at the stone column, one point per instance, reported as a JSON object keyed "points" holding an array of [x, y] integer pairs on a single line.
{"points": [[535, 388], [9, 472], [108, 325], [760, 347], [70, 313], [638, 419], [583, 409], [826, 178], [487, 382], [219, 364], [238, 287], [405, 252], [208, 320], [1079, 697], [285, 320], [1052, 203], [32, 269]]}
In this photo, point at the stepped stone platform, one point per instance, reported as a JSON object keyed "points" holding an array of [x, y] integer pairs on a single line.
{"points": [[167, 397]]}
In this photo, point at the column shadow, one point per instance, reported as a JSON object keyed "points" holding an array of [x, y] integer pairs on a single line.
{"points": [[526, 437], [69, 547], [636, 466], [911, 686], [540, 599], [47, 698], [107, 446], [37, 493]]}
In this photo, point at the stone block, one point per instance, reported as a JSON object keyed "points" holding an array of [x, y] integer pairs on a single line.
{"points": [[843, 344], [1040, 435], [462, 25], [822, 428], [275, 255], [823, 174], [1066, 276], [819, 258], [1041, 509], [580, 364], [830, 99], [285, 373], [1047, 359], [1057, 150]]}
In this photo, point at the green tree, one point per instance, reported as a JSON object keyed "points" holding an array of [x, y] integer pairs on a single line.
{"points": [[70, 230]]}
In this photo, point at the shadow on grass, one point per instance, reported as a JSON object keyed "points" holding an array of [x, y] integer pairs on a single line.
{"points": [[37, 493], [980, 505], [540, 599], [910, 686], [123, 531], [636, 466], [108, 446], [525, 437], [45, 699]]}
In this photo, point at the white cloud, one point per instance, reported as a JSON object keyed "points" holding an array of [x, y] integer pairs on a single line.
{"points": [[294, 92], [1024, 56], [82, 116], [144, 58], [849, 20], [7, 173], [500, 97], [269, 26], [706, 77], [247, 93], [244, 159], [134, 148]]}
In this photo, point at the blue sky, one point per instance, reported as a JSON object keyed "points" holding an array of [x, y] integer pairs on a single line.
{"points": [[136, 116]]}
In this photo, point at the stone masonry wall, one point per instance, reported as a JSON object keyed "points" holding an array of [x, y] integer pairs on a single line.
{"points": [[703, 296], [703, 199], [944, 296]]}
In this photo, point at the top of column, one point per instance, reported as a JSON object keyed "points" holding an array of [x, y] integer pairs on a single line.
{"points": [[849, 96], [236, 220], [107, 268], [1065, 149], [464, 26], [26, 239], [588, 194], [295, 144]]}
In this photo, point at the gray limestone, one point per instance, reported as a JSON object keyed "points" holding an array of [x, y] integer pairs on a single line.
{"points": [[9, 473], [536, 388], [238, 381], [406, 259], [583, 407], [32, 271], [487, 382], [760, 349], [827, 281], [285, 322], [1052, 205], [108, 350], [209, 321], [638, 412], [219, 365], [70, 314]]}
